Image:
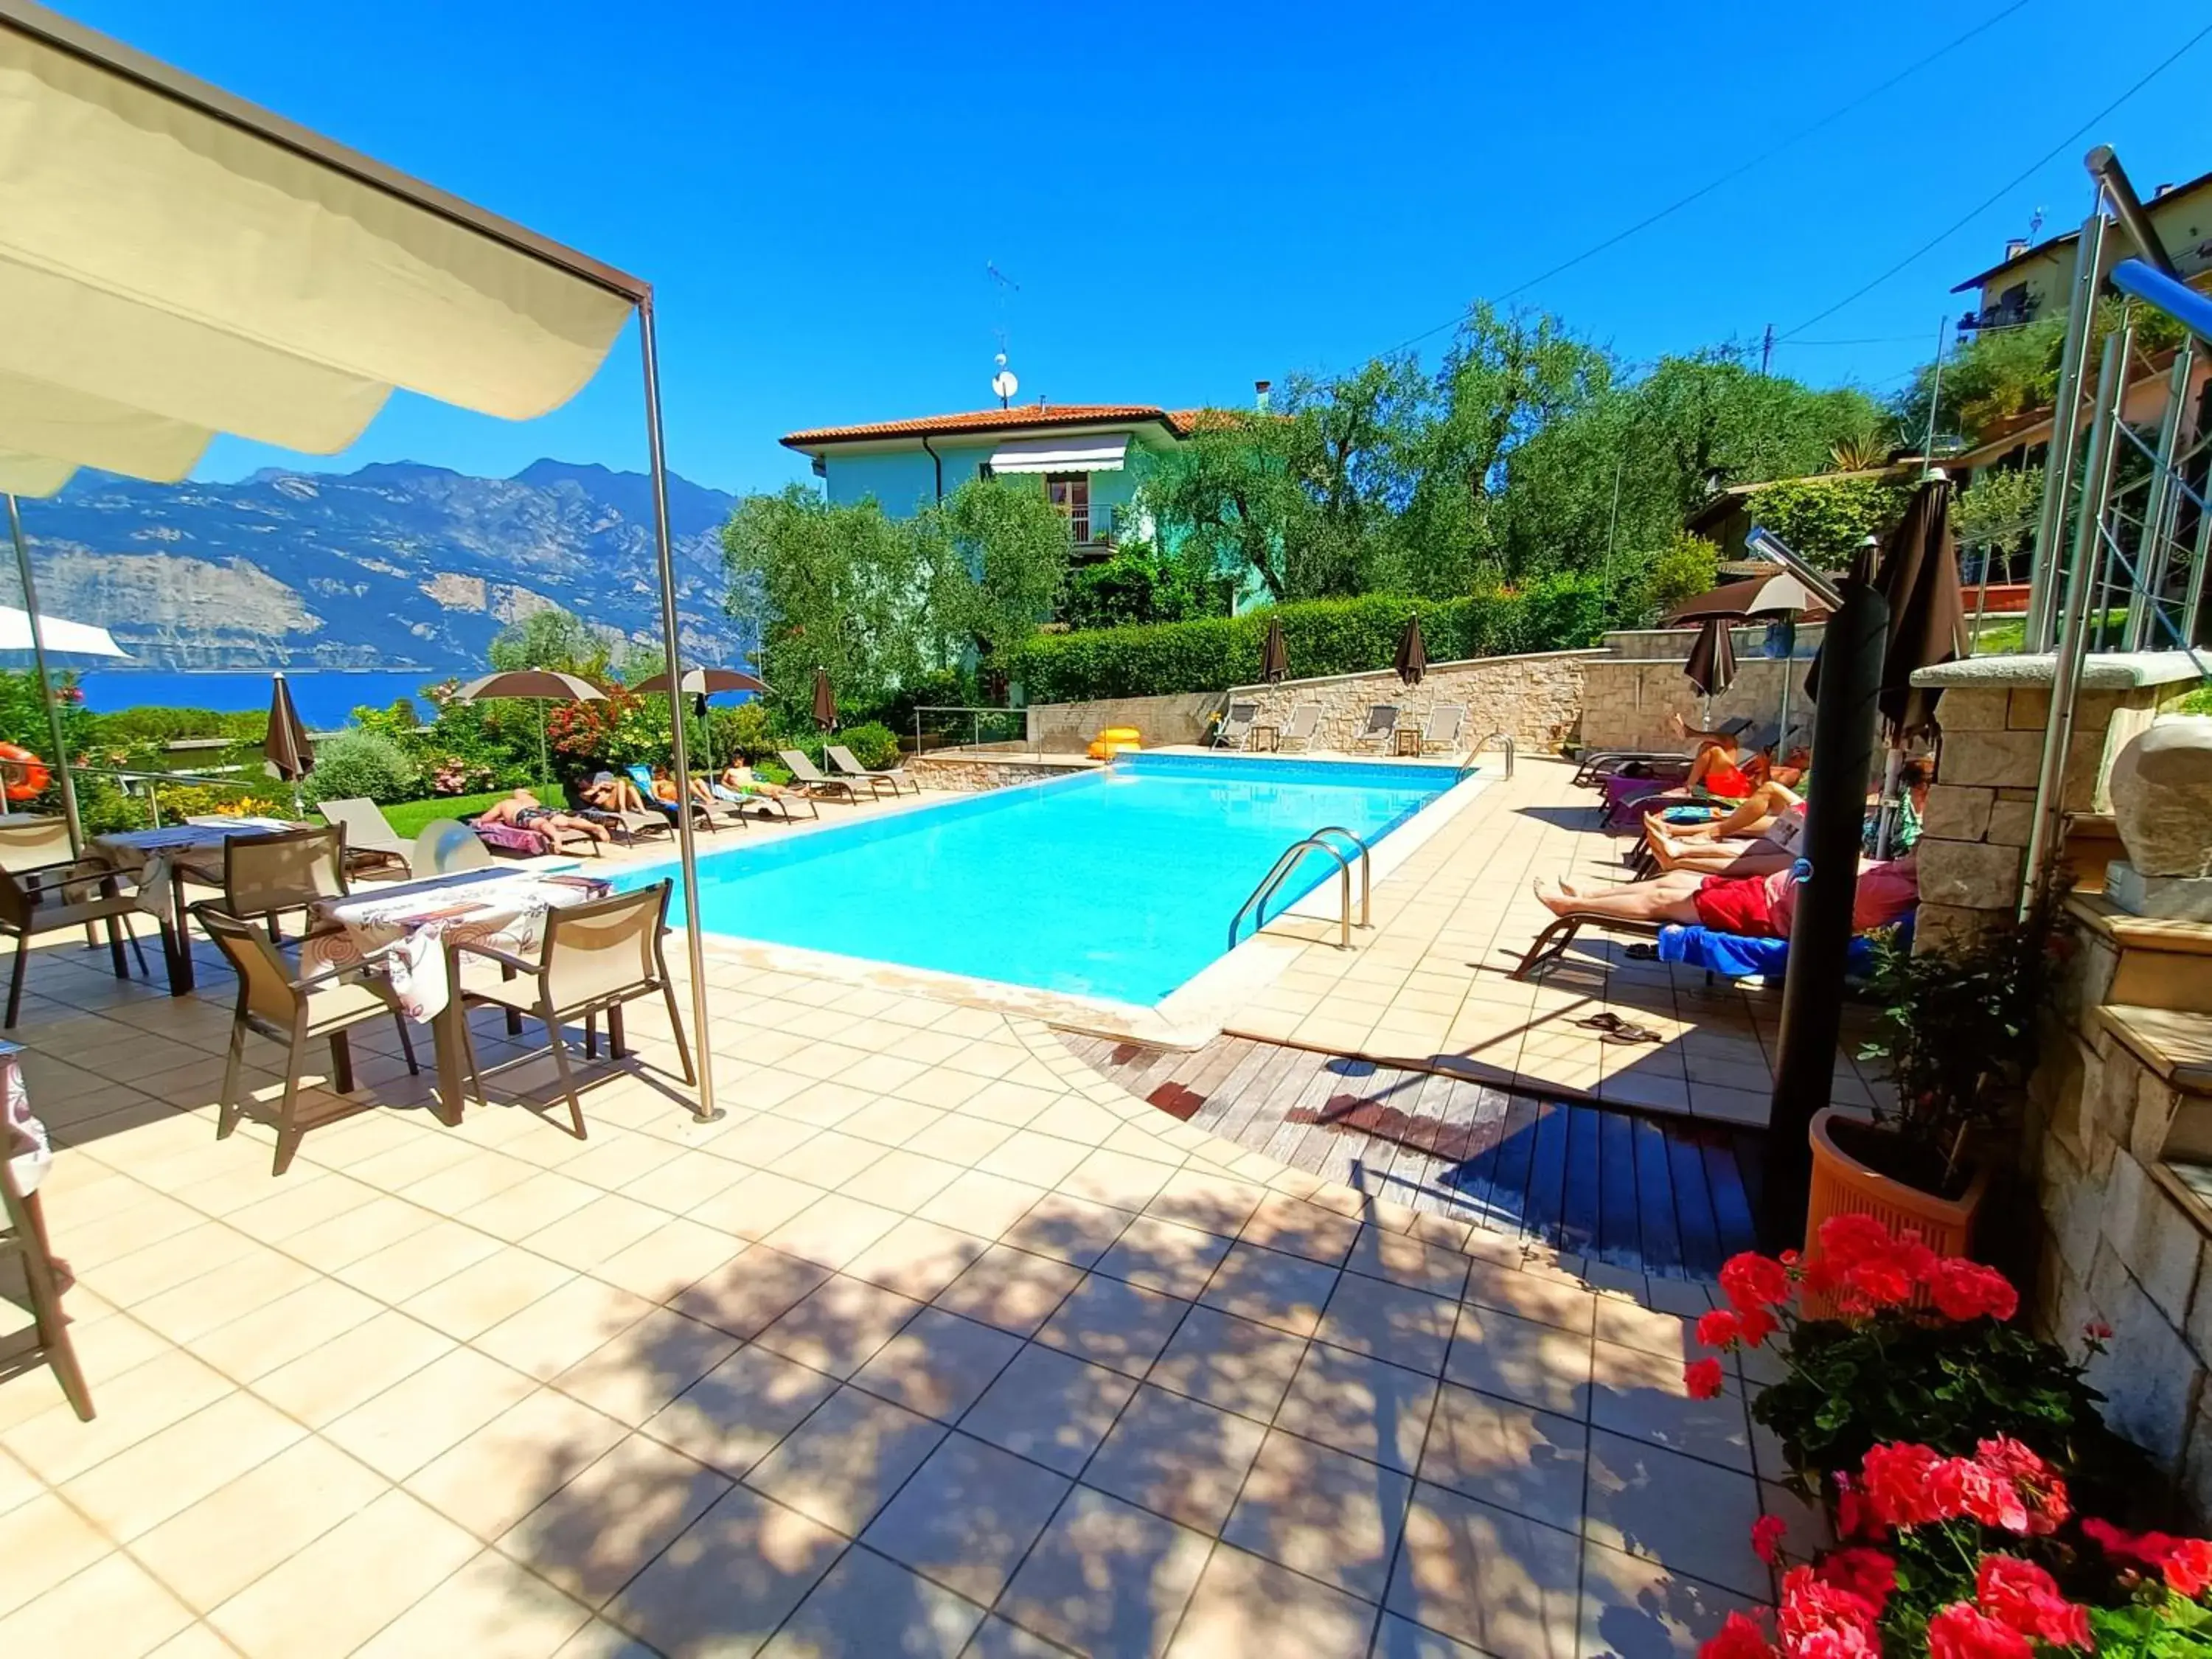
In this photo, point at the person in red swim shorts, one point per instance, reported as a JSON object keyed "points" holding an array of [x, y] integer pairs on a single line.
{"points": [[1755, 907]]}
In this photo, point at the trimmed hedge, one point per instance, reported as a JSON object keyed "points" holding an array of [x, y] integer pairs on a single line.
{"points": [[1323, 636]]}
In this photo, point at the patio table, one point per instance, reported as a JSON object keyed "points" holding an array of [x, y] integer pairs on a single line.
{"points": [[423, 922], [162, 859]]}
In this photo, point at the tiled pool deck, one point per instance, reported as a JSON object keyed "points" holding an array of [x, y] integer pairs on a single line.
{"points": [[939, 1343]]}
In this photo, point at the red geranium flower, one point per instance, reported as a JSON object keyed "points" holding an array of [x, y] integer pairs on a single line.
{"points": [[1752, 1281], [1742, 1636], [2023, 1596], [1964, 1290], [1958, 1631], [1821, 1619], [1755, 1327], [1963, 1486], [1718, 1328], [1766, 1535], [1899, 1481], [2188, 1567], [1866, 1573], [1702, 1378]]}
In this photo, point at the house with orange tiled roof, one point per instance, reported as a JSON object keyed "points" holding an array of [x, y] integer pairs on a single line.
{"points": [[1090, 456]]}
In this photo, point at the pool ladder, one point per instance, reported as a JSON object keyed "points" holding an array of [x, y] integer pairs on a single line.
{"points": [[1293, 855]]}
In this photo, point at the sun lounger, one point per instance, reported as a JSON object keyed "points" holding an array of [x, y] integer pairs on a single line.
{"points": [[776, 809], [1551, 943], [1299, 728], [371, 843], [626, 823], [1235, 728], [1379, 727], [526, 841], [895, 777], [642, 777], [811, 780], [1445, 723]]}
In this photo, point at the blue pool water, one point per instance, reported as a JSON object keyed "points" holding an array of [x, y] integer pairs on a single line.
{"points": [[1114, 884]]}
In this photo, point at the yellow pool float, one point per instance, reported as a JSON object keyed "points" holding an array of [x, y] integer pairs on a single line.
{"points": [[1115, 740]]}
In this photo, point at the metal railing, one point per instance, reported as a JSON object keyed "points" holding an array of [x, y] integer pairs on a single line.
{"points": [[1503, 740], [1292, 856], [1091, 525], [141, 785], [976, 718]]}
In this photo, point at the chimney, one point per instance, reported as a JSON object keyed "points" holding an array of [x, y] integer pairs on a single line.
{"points": [[2015, 246], [1260, 395]]}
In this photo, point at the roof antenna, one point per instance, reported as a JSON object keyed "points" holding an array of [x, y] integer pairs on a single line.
{"points": [[1003, 384]]}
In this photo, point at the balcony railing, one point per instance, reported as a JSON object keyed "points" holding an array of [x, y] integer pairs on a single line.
{"points": [[1091, 525]]}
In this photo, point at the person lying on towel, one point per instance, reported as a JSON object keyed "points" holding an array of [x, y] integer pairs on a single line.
{"points": [[1760, 836], [525, 811], [1757, 907]]}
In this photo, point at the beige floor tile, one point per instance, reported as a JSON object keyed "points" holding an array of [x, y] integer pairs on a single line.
{"points": [[136, 1490], [55, 1445], [1635, 1609], [1401, 1639], [843, 1463], [1248, 1608], [496, 1475], [482, 1294], [1164, 1255], [1492, 1578], [730, 1580], [830, 1159], [603, 1228], [1298, 1228], [435, 1250], [751, 1293], [1214, 1204], [937, 1364], [955, 1138], [901, 1180], [984, 1205], [647, 1366], [916, 1259], [1360, 1404], [1028, 1155], [1539, 1366], [113, 1609], [1642, 1395], [1406, 1326], [1011, 1289], [354, 1366], [427, 1412], [1050, 1408], [531, 1205], [146, 1273], [1113, 1324], [18, 1485], [490, 1609], [594, 1534], [562, 1325], [44, 1542], [968, 1516], [1287, 1292], [251, 1346], [868, 1605], [734, 1416], [1510, 1455], [1118, 1179], [1686, 1514], [1400, 1260], [1324, 1513], [757, 1205], [348, 1583], [215, 1299], [1230, 1363], [1106, 1578], [1068, 1228], [1177, 1457], [195, 1641], [837, 1329], [833, 1230]]}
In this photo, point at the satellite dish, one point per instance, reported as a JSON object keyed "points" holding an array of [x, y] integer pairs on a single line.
{"points": [[1003, 385]]}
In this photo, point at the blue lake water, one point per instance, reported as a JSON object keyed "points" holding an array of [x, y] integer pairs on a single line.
{"points": [[1114, 884], [324, 697]]}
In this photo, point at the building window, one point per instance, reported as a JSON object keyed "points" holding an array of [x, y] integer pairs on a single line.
{"points": [[1070, 493]]}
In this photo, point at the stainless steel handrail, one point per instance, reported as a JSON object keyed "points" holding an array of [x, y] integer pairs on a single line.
{"points": [[1504, 740], [1291, 858]]}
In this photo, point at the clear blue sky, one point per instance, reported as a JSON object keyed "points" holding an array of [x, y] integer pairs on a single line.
{"points": [[1189, 196]]}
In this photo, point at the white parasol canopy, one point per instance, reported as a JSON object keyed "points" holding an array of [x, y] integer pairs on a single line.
{"points": [[71, 638]]}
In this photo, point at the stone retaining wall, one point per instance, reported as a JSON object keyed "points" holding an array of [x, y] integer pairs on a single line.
{"points": [[1068, 728], [1627, 700], [969, 771]]}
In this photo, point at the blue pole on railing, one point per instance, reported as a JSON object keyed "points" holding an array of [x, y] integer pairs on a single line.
{"points": [[2192, 310]]}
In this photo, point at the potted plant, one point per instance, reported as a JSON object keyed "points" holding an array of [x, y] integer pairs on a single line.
{"points": [[1957, 1033]]}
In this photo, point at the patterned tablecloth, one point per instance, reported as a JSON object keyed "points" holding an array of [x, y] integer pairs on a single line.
{"points": [[155, 853], [505, 908]]}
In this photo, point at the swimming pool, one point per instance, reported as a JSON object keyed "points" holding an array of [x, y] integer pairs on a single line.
{"points": [[1113, 884]]}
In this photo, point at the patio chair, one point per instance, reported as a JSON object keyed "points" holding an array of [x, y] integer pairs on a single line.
{"points": [[812, 780], [24, 1234], [1443, 728], [35, 902], [594, 958], [1379, 727], [275, 1001], [1235, 728], [1304, 720], [30, 841], [446, 845], [371, 843], [900, 780], [267, 875]]}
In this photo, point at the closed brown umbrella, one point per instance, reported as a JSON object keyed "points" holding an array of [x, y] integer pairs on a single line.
{"points": [[1274, 655], [825, 701], [1711, 666], [1920, 577], [1413, 651], [290, 756]]}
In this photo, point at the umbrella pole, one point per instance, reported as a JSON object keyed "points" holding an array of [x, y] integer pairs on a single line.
{"points": [[45, 682], [1788, 671], [671, 643]]}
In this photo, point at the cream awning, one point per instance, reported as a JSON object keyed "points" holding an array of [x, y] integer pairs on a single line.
{"points": [[174, 264], [1101, 452]]}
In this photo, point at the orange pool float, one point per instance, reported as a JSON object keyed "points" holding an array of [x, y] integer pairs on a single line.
{"points": [[1115, 740], [27, 775]]}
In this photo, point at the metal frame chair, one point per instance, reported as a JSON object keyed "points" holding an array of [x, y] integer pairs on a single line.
{"points": [[26, 912], [26, 1235], [267, 875], [1236, 722], [594, 958], [275, 1001]]}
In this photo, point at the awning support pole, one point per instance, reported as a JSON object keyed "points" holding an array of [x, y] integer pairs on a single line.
{"points": [[672, 644], [46, 682], [2159, 503], [2047, 569]]}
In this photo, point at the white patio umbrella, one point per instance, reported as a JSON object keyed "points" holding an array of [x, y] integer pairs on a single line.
{"points": [[74, 639], [175, 262]]}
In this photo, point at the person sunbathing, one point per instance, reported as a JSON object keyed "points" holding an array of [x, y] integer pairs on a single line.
{"points": [[611, 794], [1718, 768], [738, 779], [1754, 907], [663, 788], [525, 811], [1759, 836]]}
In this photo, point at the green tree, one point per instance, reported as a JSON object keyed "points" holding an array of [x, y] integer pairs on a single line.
{"points": [[1229, 501], [552, 639], [1828, 520], [1013, 547]]}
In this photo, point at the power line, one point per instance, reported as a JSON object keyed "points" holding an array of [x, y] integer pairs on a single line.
{"points": [[1737, 172], [1871, 339], [2005, 189]]}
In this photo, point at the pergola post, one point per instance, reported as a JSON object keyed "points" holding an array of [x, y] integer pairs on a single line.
{"points": [[45, 681], [672, 644]]}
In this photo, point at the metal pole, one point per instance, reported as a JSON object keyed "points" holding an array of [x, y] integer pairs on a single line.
{"points": [[671, 643], [2194, 602], [2045, 570], [1935, 401], [45, 682], [2159, 499], [1827, 886], [2044, 833]]}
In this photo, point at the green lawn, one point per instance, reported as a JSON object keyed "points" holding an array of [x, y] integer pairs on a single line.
{"points": [[407, 818]]}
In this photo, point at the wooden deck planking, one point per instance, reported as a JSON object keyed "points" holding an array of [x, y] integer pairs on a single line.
{"points": [[1637, 1191]]}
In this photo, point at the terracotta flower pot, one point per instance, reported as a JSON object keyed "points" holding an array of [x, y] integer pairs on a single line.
{"points": [[1844, 1186]]}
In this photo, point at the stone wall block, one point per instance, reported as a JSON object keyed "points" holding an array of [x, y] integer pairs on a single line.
{"points": [[1956, 813], [2153, 1239], [1970, 875], [2150, 1379], [2011, 822], [1979, 709], [1989, 756]]}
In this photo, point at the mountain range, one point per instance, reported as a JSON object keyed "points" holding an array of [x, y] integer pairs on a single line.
{"points": [[399, 565]]}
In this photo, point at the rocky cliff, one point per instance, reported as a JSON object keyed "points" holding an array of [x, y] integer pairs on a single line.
{"points": [[396, 565]]}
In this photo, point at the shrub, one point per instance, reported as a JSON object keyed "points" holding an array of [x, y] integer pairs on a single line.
{"points": [[872, 743], [1324, 636], [205, 800], [357, 763]]}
